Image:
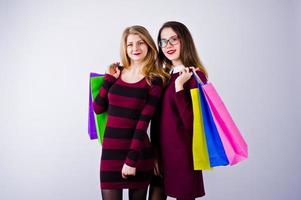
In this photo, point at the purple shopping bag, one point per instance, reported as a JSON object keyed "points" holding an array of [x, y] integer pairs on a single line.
{"points": [[91, 119]]}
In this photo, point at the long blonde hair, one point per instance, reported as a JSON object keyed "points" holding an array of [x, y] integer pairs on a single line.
{"points": [[150, 68], [188, 52]]}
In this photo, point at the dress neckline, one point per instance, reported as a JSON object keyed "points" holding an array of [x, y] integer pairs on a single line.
{"points": [[134, 83]]}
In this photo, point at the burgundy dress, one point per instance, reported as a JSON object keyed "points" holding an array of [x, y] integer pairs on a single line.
{"points": [[172, 126], [130, 107]]}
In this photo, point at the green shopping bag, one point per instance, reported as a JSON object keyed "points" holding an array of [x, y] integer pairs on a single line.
{"points": [[100, 119]]}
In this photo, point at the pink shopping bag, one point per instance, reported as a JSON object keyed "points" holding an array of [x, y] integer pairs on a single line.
{"points": [[234, 144]]}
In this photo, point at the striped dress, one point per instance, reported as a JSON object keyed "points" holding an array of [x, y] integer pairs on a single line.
{"points": [[130, 107]]}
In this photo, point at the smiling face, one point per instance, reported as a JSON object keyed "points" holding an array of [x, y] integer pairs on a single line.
{"points": [[136, 48], [171, 45]]}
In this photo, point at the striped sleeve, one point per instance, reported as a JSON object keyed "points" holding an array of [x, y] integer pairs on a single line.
{"points": [[143, 122], [100, 103]]}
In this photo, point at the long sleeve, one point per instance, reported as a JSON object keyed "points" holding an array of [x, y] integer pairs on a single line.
{"points": [[100, 103], [184, 102], [143, 122]]}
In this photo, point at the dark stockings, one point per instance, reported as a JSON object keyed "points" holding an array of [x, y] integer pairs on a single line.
{"points": [[111, 194], [134, 194], [137, 194], [156, 193]]}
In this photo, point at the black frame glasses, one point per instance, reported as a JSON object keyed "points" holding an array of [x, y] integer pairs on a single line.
{"points": [[173, 40]]}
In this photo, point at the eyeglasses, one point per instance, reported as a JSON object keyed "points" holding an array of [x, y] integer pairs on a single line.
{"points": [[172, 40]]}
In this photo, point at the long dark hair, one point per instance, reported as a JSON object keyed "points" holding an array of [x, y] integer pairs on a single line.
{"points": [[188, 52]]}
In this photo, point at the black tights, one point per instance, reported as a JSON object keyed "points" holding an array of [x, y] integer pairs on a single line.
{"points": [[156, 193], [134, 194]]}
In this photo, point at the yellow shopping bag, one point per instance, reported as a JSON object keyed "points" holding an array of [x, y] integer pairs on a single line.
{"points": [[199, 145]]}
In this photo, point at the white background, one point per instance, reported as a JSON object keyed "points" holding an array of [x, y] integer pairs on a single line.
{"points": [[48, 48]]}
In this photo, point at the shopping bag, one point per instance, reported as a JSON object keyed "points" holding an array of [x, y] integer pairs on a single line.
{"points": [[199, 145], [216, 151], [97, 122], [91, 119], [234, 144]]}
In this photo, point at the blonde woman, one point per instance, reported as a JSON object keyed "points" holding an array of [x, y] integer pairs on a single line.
{"points": [[130, 96]]}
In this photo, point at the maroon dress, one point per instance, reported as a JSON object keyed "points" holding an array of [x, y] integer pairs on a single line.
{"points": [[130, 107], [171, 132]]}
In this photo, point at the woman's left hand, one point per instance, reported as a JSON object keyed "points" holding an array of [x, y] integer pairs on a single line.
{"points": [[182, 78], [127, 171]]}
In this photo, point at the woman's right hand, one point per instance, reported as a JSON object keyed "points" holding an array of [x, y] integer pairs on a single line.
{"points": [[113, 70], [183, 77], [127, 171]]}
